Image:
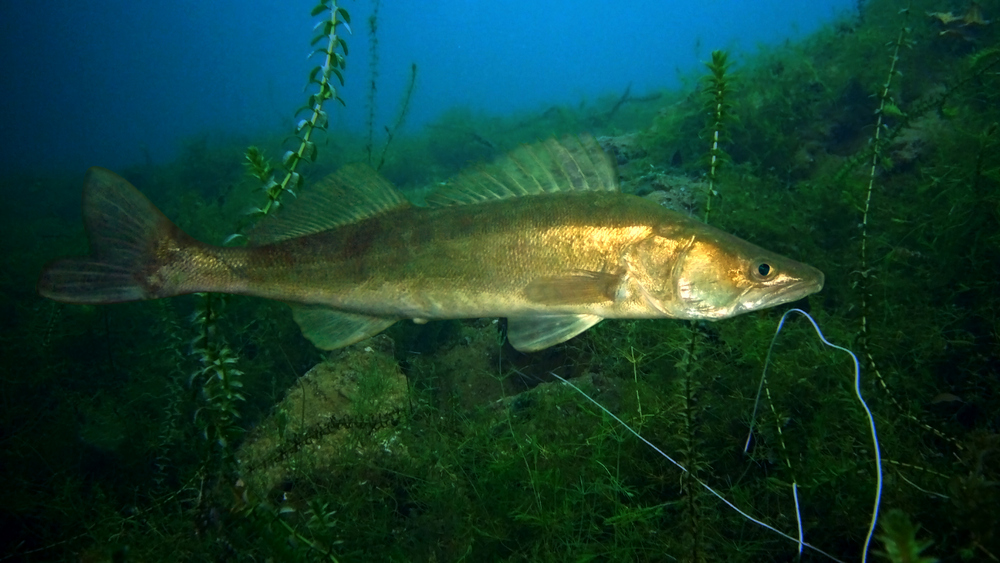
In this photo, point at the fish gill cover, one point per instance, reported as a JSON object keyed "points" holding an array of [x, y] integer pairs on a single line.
{"points": [[206, 428]]}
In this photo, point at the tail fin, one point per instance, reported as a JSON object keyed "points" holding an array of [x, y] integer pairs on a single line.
{"points": [[129, 238]]}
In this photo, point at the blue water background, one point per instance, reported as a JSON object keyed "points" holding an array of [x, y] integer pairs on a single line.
{"points": [[113, 82]]}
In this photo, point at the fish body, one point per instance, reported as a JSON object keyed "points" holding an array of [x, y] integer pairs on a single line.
{"points": [[543, 237]]}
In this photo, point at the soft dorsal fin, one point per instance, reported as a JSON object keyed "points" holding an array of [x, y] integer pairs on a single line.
{"points": [[571, 165], [353, 193]]}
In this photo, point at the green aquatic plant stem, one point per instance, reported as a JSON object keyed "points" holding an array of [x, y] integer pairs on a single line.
{"points": [[717, 107], [882, 135], [781, 436], [885, 100], [333, 63], [404, 110], [717, 88], [978, 66], [373, 76], [690, 446], [887, 105], [219, 380]]}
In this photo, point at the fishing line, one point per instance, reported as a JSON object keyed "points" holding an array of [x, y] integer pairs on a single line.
{"points": [[857, 393], [871, 421], [697, 480]]}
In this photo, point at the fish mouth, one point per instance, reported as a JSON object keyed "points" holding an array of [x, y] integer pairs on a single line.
{"points": [[792, 289], [806, 285]]}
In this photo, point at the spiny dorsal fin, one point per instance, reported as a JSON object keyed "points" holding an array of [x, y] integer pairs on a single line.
{"points": [[353, 193], [571, 165]]}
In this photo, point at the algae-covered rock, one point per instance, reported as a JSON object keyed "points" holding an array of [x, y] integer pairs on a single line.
{"points": [[347, 405]]}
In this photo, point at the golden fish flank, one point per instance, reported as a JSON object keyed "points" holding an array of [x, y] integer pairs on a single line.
{"points": [[542, 237]]}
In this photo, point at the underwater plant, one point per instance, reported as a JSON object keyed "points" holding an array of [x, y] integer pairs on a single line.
{"points": [[719, 111], [899, 536], [372, 77], [886, 104], [404, 108], [332, 65]]}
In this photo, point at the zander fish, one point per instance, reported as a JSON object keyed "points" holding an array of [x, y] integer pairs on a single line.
{"points": [[543, 237]]}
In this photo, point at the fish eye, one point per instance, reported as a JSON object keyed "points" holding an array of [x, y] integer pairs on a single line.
{"points": [[764, 269]]}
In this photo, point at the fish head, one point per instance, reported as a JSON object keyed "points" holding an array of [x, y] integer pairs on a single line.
{"points": [[702, 273]]}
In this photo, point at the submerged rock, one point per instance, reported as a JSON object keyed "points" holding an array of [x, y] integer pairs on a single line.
{"points": [[346, 406]]}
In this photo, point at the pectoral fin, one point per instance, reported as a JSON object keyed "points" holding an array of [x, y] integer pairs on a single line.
{"points": [[575, 288], [329, 329], [530, 334]]}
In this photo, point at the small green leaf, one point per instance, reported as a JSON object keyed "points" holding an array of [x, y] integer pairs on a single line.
{"points": [[892, 110], [323, 52], [343, 13], [326, 91], [319, 9]]}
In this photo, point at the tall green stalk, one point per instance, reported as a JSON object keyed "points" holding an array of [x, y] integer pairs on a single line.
{"points": [[718, 108], [373, 77], [333, 63]]}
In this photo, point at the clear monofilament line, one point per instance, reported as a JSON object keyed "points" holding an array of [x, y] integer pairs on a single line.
{"points": [[699, 481], [871, 422], [864, 405]]}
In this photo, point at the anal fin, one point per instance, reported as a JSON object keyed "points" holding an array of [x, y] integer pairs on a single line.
{"points": [[329, 329], [530, 334]]}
